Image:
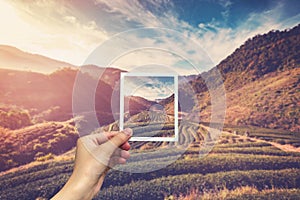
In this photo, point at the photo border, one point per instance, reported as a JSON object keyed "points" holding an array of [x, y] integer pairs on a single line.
{"points": [[121, 121]]}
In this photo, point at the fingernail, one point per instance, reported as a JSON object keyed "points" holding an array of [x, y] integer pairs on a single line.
{"points": [[128, 131]]}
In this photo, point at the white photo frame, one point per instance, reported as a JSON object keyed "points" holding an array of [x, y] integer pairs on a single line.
{"points": [[122, 96]]}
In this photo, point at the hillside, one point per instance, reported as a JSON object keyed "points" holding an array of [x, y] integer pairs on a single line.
{"points": [[39, 92], [49, 97], [13, 58], [261, 79], [134, 104], [109, 76], [168, 104], [235, 162], [36, 142]]}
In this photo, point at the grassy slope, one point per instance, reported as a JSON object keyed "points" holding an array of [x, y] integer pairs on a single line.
{"points": [[233, 164], [36, 142], [240, 193], [261, 79], [270, 101]]}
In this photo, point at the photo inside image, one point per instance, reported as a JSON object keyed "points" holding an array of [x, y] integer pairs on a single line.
{"points": [[149, 105]]}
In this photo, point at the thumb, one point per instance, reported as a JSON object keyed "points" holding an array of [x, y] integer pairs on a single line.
{"points": [[116, 141], [122, 137]]}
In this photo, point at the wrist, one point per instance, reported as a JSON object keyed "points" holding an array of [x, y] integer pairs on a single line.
{"points": [[79, 188]]}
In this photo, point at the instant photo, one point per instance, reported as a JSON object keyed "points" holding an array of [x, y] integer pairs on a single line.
{"points": [[149, 102]]}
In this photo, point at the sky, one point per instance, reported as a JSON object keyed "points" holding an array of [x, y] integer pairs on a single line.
{"points": [[200, 32], [149, 87]]}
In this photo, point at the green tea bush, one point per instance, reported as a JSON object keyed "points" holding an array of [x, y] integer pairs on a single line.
{"points": [[182, 184], [209, 164]]}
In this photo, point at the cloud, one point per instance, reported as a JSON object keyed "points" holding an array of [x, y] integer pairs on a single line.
{"points": [[151, 88], [139, 14], [226, 4], [201, 25], [71, 30], [51, 28], [219, 41], [215, 38], [156, 60]]}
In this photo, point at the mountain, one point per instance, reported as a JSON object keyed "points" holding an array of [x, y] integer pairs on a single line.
{"points": [[134, 104], [13, 58], [168, 104], [261, 79], [49, 97], [39, 92], [35, 142], [165, 101], [261, 89], [108, 75]]}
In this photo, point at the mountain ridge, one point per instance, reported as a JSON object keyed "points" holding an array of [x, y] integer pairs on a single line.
{"points": [[255, 58], [276, 56], [273, 56], [14, 58]]}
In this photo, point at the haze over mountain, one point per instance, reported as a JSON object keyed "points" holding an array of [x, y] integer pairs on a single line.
{"points": [[261, 80], [13, 58], [51, 95]]}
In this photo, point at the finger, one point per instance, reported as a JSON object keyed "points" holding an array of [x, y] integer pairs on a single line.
{"points": [[117, 152], [124, 154], [101, 138], [121, 153], [98, 138], [116, 160], [111, 134], [111, 145], [126, 146]]}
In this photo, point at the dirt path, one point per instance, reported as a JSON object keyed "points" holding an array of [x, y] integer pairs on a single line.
{"points": [[283, 147]]}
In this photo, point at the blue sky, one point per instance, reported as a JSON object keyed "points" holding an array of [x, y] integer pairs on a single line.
{"points": [[149, 87], [232, 13], [71, 30]]}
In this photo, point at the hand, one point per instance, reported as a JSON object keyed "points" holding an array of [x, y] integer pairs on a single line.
{"points": [[95, 155]]}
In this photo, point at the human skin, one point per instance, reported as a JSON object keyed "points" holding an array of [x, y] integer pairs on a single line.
{"points": [[95, 155]]}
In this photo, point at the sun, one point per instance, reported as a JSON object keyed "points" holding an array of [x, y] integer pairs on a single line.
{"points": [[13, 27]]}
